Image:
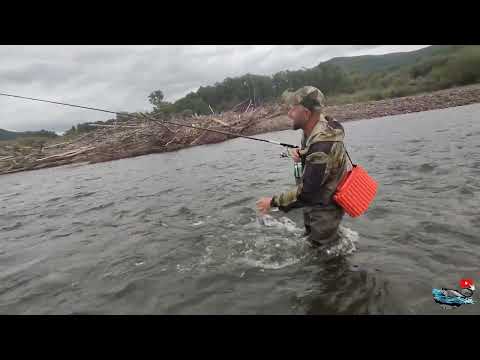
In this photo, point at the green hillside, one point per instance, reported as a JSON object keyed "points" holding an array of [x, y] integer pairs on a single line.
{"points": [[388, 62], [7, 135], [13, 135]]}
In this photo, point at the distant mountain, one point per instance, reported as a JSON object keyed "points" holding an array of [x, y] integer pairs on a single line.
{"points": [[12, 135], [7, 135], [389, 62]]}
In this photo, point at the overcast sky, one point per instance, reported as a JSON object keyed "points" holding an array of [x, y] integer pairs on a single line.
{"points": [[120, 78]]}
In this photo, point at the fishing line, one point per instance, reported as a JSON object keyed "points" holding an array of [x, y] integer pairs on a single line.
{"points": [[144, 116]]}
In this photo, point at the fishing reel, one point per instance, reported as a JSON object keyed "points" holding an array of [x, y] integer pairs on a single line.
{"points": [[297, 167], [286, 153]]}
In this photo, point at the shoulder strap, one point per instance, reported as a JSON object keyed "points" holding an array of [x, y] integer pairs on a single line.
{"points": [[329, 118], [349, 158]]}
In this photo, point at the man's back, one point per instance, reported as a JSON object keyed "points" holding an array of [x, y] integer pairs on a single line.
{"points": [[325, 163], [324, 160]]}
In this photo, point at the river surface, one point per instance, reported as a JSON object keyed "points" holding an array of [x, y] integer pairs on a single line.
{"points": [[178, 233]]}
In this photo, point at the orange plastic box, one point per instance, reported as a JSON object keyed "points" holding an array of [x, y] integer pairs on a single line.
{"points": [[356, 192]]}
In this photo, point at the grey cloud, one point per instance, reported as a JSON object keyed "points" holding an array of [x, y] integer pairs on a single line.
{"points": [[48, 74]]}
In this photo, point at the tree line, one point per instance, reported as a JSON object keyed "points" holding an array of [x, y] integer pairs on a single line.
{"points": [[460, 66]]}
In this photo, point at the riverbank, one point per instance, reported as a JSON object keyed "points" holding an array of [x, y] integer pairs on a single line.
{"points": [[133, 137]]}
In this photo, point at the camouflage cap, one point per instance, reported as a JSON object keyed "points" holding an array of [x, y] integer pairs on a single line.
{"points": [[308, 96]]}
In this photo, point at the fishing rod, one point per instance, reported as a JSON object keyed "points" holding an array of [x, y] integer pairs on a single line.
{"points": [[143, 116]]}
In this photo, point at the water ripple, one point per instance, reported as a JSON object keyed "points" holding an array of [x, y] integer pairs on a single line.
{"points": [[135, 237]]}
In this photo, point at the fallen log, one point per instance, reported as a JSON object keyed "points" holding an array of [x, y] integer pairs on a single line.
{"points": [[248, 107], [219, 122], [7, 158], [56, 145], [243, 102], [68, 154], [113, 126]]}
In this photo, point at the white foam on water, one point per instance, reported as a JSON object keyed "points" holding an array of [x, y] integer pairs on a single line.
{"points": [[277, 247], [283, 223], [207, 258], [346, 243], [266, 264], [252, 246], [277, 252], [184, 268], [198, 223]]}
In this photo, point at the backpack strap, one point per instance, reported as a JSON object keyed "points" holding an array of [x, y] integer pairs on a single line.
{"points": [[349, 158]]}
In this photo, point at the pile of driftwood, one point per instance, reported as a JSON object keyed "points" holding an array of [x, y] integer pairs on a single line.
{"points": [[134, 135]]}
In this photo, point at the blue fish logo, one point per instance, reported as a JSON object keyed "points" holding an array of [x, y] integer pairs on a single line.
{"points": [[455, 298]]}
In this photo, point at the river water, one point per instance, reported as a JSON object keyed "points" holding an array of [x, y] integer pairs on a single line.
{"points": [[178, 233]]}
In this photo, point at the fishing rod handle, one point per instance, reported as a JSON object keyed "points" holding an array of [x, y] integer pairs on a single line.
{"points": [[289, 146]]}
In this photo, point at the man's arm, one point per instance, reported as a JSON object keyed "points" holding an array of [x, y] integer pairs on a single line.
{"points": [[287, 200], [314, 175]]}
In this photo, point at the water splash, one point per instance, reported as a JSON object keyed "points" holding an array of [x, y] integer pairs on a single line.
{"points": [[265, 262], [286, 245], [265, 243], [184, 268], [346, 243], [282, 223]]}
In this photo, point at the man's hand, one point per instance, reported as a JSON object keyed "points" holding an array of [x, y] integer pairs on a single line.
{"points": [[263, 205], [295, 155]]}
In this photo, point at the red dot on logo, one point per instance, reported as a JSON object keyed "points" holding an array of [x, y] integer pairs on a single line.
{"points": [[465, 283]]}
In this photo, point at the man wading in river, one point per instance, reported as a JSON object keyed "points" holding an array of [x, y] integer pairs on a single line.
{"points": [[324, 164]]}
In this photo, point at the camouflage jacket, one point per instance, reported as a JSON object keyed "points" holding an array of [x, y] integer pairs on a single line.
{"points": [[324, 165]]}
